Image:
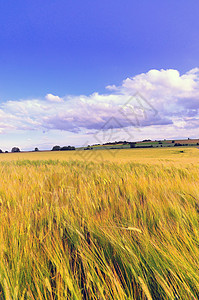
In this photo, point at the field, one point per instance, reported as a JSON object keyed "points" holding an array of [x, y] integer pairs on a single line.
{"points": [[149, 143], [101, 224], [170, 143]]}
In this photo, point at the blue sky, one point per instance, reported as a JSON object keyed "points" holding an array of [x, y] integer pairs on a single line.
{"points": [[75, 49]]}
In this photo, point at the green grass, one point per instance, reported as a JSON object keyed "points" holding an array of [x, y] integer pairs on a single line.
{"points": [[84, 230]]}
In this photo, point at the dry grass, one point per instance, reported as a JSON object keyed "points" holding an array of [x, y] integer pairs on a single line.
{"points": [[117, 229]]}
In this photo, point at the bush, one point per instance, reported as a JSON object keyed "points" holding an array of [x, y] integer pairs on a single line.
{"points": [[15, 149]]}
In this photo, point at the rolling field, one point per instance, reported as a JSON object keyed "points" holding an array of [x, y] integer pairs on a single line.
{"points": [[115, 224]]}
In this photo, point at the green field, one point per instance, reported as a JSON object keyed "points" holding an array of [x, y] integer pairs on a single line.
{"points": [[104, 224], [147, 144]]}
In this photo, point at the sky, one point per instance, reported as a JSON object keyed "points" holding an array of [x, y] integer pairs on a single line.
{"points": [[85, 72]]}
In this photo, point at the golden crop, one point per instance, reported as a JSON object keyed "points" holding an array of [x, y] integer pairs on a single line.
{"points": [[100, 224]]}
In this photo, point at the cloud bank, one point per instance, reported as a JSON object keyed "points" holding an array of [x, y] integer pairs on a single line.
{"points": [[163, 98]]}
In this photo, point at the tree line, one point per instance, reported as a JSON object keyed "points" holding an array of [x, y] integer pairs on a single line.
{"points": [[55, 148]]}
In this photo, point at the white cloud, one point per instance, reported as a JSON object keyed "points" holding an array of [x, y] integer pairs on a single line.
{"points": [[172, 104], [53, 98], [158, 80]]}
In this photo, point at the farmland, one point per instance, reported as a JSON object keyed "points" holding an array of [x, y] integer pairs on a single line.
{"points": [[100, 224], [149, 144]]}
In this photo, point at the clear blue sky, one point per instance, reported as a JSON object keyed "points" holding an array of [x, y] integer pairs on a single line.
{"points": [[79, 47]]}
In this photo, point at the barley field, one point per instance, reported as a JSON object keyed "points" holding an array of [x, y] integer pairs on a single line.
{"points": [[100, 224]]}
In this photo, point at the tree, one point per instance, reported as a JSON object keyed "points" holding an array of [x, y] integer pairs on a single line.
{"points": [[1, 151], [146, 140], [132, 145], [67, 148], [36, 149], [15, 149], [56, 148]]}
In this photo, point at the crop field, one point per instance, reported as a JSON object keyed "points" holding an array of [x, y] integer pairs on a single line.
{"points": [[101, 224]]}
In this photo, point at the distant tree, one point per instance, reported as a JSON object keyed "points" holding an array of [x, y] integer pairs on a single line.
{"points": [[15, 149], [146, 140], [6, 151], [67, 148], [132, 145], [173, 142], [1, 151], [56, 148], [36, 149], [64, 148]]}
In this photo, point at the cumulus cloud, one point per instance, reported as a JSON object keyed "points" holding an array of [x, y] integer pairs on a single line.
{"points": [[158, 80], [169, 92], [53, 98], [164, 98]]}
